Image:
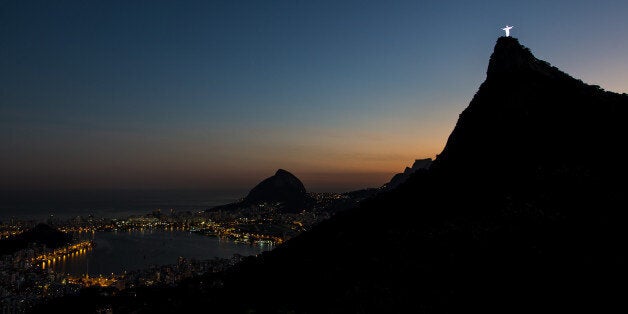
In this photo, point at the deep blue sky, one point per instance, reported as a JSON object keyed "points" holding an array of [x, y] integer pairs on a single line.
{"points": [[211, 94]]}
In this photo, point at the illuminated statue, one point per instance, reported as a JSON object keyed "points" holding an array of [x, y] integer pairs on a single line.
{"points": [[507, 29]]}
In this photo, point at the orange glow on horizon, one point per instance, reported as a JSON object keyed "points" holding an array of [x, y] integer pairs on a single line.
{"points": [[364, 152]]}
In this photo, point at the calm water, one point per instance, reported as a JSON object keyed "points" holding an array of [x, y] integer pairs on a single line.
{"points": [[38, 205], [116, 252]]}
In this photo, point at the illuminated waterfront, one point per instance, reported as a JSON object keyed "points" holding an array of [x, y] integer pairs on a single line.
{"points": [[154, 249], [59, 256], [117, 252]]}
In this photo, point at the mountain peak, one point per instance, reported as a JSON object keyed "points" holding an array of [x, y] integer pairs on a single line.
{"points": [[510, 56], [282, 172], [521, 114], [282, 187]]}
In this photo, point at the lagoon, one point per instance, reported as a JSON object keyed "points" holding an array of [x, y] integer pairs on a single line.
{"points": [[117, 251]]}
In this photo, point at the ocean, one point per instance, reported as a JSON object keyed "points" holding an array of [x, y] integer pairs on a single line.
{"points": [[39, 205]]}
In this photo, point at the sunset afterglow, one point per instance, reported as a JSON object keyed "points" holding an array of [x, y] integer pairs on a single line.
{"points": [[219, 95]]}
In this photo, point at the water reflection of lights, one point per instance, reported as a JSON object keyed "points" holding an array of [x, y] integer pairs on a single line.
{"points": [[58, 257]]}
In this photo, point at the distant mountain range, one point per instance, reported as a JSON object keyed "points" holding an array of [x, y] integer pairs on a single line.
{"points": [[523, 211]]}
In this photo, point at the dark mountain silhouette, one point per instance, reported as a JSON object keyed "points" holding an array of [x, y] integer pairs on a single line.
{"points": [[520, 210], [529, 118], [523, 211], [282, 188], [40, 234], [399, 178], [46, 235]]}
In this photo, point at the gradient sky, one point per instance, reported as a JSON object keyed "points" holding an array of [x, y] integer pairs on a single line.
{"points": [[219, 94]]}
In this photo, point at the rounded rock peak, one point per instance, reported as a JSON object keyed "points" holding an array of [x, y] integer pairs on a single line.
{"points": [[281, 187], [282, 172]]}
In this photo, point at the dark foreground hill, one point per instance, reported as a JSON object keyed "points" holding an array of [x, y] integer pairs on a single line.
{"points": [[40, 234], [524, 211]]}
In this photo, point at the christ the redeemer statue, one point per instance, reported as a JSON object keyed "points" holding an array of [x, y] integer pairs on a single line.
{"points": [[507, 29]]}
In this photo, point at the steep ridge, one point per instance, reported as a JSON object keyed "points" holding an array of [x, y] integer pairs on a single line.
{"points": [[523, 211], [399, 178], [529, 117], [520, 210]]}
